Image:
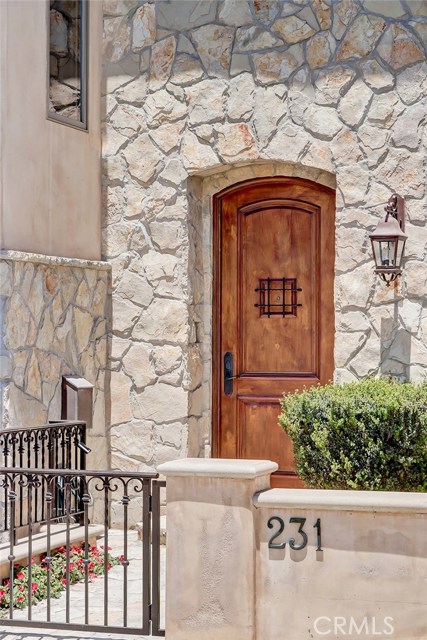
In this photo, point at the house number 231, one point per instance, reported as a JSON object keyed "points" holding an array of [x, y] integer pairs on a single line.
{"points": [[278, 524]]}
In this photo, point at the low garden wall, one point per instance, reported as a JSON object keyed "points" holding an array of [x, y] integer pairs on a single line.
{"points": [[246, 562]]}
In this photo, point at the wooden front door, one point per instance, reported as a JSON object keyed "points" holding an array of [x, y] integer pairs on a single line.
{"points": [[273, 311]]}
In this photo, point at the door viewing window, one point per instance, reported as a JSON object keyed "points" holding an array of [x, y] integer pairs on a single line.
{"points": [[67, 61]]}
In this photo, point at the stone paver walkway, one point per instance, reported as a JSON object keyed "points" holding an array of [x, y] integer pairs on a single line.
{"points": [[96, 600]]}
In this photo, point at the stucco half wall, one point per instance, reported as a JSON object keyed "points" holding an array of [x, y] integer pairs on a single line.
{"points": [[234, 573]]}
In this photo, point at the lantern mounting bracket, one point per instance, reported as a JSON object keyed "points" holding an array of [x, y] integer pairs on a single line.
{"points": [[395, 208]]}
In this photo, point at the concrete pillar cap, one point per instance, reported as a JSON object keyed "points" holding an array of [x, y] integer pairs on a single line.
{"points": [[217, 468]]}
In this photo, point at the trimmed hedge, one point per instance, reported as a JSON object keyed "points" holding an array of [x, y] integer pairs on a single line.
{"points": [[370, 434]]}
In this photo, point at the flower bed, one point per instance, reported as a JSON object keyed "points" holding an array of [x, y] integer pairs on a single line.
{"points": [[78, 566]]}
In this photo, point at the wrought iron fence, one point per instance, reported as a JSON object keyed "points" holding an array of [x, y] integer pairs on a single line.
{"points": [[59, 445], [126, 598]]}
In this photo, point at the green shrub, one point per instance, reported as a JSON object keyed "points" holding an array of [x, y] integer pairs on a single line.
{"points": [[370, 434]]}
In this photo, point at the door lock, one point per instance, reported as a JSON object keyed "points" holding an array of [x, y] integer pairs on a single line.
{"points": [[228, 373]]}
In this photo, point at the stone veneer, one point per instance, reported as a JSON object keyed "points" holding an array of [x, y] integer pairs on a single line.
{"points": [[199, 95], [53, 317]]}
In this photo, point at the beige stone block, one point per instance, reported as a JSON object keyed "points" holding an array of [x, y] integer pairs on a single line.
{"points": [[5, 278], [322, 121], [213, 44], [135, 289], [361, 37], [137, 364], [415, 247], [162, 57], [163, 403], [134, 439], [347, 345], [5, 367], [402, 171], [293, 29], [254, 38], [143, 27], [24, 410], [128, 120], [240, 63], [353, 289], [235, 13], [235, 141], [323, 13], [168, 137], [206, 101], [161, 107], [333, 83], [352, 248], [276, 66], [189, 14], [197, 156], [143, 147], [125, 314], [344, 12], [165, 320], [399, 48], [368, 359], [17, 323], [168, 235], [116, 41], [167, 358], [159, 265], [411, 83], [83, 323], [266, 121], [186, 70], [355, 104], [353, 321], [320, 49], [20, 359], [169, 435], [410, 316], [375, 76], [345, 148], [408, 128], [415, 275], [120, 400], [388, 8], [241, 94], [353, 181], [133, 92]]}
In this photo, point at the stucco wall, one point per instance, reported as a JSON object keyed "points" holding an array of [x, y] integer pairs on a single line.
{"points": [[50, 173], [207, 93]]}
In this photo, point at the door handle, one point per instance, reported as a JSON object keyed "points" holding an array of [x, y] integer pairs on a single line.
{"points": [[228, 373]]}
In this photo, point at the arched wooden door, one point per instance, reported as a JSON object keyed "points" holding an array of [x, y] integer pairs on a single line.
{"points": [[273, 311]]}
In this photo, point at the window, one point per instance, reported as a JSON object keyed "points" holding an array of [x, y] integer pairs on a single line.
{"points": [[68, 62]]}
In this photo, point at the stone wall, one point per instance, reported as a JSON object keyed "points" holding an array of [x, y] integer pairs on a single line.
{"points": [[53, 317], [201, 94]]}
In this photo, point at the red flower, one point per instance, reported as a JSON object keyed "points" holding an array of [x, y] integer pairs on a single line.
{"points": [[71, 566], [20, 576], [20, 598], [34, 586], [64, 581], [121, 558]]}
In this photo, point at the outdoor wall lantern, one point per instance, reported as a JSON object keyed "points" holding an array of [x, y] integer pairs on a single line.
{"points": [[388, 240]]}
